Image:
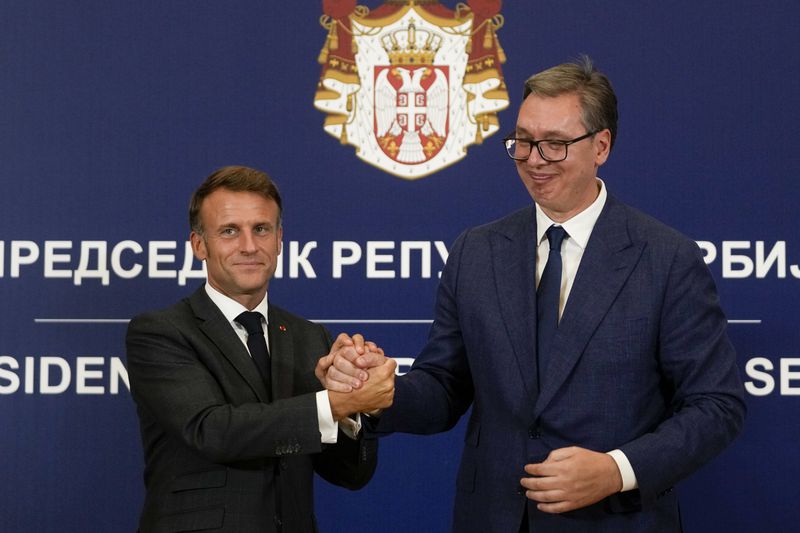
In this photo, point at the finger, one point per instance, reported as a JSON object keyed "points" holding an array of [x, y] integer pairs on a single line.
{"points": [[539, 483], [545, 496], [539, 469], [346, 367], [324, 362], [322, 367], [370, 359], [372, 347], [560, 454], [339, 381], [556, 507], [342, 340], [358, 342], [348, 353], [338, 386]]}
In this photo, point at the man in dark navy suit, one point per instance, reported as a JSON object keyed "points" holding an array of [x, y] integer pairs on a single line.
{"points": [[586, 337]]}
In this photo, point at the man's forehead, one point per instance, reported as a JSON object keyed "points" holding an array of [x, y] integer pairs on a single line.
{"points": [[543, 115], [226, 197], [239, 204]]}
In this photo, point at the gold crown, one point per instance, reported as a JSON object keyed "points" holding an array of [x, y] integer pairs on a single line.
{"points": [[411, 47]]}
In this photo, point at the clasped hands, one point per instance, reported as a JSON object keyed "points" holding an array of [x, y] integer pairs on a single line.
{"points": [[358, 376]]}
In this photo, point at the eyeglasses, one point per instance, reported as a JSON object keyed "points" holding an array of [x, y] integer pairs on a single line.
{"points": [[551, 150]]}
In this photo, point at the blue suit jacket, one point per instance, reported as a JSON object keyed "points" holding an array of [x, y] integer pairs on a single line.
{"points": [[641, 362]]}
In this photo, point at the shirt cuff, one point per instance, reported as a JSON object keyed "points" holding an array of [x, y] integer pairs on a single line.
{"points": [[625, 470], [328, 427], [351, 426]]}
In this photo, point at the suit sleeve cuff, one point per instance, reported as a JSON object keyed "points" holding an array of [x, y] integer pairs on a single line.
{"points": [[625, 470], [328, 427]]}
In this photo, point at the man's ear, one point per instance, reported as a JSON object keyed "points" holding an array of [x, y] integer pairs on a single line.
{"points": [[602, 145], [198, 246]]}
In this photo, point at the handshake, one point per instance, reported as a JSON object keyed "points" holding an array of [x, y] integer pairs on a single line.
{"points": [[358, 376]]}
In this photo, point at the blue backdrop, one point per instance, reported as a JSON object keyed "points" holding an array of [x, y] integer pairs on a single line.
{"points": [[111, 113]]}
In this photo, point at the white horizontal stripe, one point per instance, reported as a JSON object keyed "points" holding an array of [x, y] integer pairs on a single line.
{"points": [[370, 321], [81, 320]]}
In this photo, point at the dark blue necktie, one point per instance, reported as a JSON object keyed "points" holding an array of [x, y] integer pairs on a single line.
{"points": [[548, 296], [257, 345]]}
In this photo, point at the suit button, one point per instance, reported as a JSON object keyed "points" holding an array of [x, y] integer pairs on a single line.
{"points": [[533, 432]]}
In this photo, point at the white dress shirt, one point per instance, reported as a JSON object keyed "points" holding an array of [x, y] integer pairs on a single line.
{"points": [[328, 427], [579, 229]]}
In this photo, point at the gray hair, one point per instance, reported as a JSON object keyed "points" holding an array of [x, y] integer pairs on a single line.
{"points": [[598, 101]]}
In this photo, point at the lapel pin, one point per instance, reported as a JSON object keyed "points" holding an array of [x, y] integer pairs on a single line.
{"points": [[282, 327]]}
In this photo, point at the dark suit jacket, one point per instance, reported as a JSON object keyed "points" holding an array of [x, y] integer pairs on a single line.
{"points": [[217, 455], [641, 362]]}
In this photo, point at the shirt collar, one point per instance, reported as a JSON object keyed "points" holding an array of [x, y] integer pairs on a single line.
{"points": [[231, 308], [578, 227]]}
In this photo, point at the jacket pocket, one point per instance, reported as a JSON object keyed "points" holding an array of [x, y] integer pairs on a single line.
{"points": [[207, 479], [200, 519]]}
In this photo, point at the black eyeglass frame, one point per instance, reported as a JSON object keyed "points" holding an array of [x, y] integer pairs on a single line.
{"points": [[533, 143]]}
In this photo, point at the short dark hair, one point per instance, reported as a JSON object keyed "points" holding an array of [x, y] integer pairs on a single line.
{"points": [[237, 179], [598, 101]]}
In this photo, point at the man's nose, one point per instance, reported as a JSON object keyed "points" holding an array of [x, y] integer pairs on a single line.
{"points": [[247, 242], [535, 158]]}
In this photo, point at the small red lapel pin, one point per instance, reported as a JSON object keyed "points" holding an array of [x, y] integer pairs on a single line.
{"points": [[282, 327]]}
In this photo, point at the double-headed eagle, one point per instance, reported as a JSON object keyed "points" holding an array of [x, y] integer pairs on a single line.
{"points": [[411, 110]]}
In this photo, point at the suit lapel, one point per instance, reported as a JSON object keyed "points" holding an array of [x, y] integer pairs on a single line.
{"points": [[514, 261], [281, 351], [219, 331], [607, 262]]}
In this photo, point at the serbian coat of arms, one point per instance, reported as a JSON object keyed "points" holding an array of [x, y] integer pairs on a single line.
{"points": [[411, 83]]}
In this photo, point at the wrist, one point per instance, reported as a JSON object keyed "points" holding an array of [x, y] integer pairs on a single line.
{"points": [[340, 407]]}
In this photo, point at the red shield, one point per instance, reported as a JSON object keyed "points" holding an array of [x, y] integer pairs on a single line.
{"points": [[411, 110]]}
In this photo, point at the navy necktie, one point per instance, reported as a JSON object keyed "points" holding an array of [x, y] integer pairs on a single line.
{"points": [[257, 345], [548, 296]]}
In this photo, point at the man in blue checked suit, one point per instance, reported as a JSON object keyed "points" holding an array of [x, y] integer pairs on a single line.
{"points": [[586, 337]]}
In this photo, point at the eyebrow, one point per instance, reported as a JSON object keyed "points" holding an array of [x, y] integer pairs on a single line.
{"points": [[254, 224], [548, 135]]}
